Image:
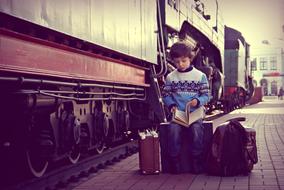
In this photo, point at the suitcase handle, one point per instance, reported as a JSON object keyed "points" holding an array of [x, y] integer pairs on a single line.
{"points": [[237, 119]]}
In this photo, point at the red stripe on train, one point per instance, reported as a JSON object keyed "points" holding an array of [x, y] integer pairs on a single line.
{"points": [[23, 54]]}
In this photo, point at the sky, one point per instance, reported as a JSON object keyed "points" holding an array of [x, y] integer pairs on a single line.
{"points": [[257, 20]]}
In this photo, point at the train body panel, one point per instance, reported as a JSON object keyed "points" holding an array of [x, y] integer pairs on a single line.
{"points": [[126, 26], [39, 57]]}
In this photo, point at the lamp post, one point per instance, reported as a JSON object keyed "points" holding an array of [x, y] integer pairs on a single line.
{"points": [[217, 10], [268, 42]]}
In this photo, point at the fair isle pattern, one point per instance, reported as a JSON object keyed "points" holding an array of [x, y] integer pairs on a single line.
{"points": [[181, 87], [190, 87]]}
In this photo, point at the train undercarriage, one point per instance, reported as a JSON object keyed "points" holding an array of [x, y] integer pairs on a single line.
{"points": [[48, 129], [48, 114]]}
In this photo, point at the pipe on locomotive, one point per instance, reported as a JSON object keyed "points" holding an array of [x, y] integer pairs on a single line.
{"points": [[89, 99], [22, 80], [55, 94]]}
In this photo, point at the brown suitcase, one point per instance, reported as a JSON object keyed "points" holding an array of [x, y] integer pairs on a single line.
{"points": [[149, 153]]}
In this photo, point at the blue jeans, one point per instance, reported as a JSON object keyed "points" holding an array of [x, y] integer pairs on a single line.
{"points": [[196, 134]]}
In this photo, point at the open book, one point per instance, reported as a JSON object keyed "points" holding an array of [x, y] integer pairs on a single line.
{"points": [[186, 118]]}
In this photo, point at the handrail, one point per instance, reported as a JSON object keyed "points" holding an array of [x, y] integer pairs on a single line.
{"points": [[163, 60]]}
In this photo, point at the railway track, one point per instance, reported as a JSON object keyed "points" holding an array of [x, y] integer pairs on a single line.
{"points": [[60, 177]]}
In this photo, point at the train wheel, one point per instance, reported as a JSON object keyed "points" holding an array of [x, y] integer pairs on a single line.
{"points": [[39, 145], [103, 129], [100, 147], [37, 164], [74, 154]]}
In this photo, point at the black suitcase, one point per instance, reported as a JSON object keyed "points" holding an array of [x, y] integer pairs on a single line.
{"points": [[233, 150]]}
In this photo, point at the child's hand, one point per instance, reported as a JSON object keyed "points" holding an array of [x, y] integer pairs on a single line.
{"points": [[192, 103], [173, 109]]}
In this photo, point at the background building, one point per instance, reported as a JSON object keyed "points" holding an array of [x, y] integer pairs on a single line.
{"points": [[267, 67]]}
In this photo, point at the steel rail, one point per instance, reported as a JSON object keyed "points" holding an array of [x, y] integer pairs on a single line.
{"points": [[64, 175]]}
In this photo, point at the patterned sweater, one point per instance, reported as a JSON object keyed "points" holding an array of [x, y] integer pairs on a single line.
{"points": [[183, 86]]}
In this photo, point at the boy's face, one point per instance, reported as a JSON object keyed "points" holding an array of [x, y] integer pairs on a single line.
{"points": [[182, 63]]}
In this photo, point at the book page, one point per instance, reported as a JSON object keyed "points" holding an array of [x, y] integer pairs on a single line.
{"points": [[186, 118], [199, 113], [181, 115]]}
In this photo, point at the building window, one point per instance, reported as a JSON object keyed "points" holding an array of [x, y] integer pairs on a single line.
{"points": [[273, 63], [253, 65], [263, 63]]}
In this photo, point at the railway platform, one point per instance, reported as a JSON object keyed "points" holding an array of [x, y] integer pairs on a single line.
{"points": [[267, 117]]}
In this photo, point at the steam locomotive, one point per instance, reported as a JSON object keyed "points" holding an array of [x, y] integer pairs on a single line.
{"points": [[238, 83], [77, 76]]}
